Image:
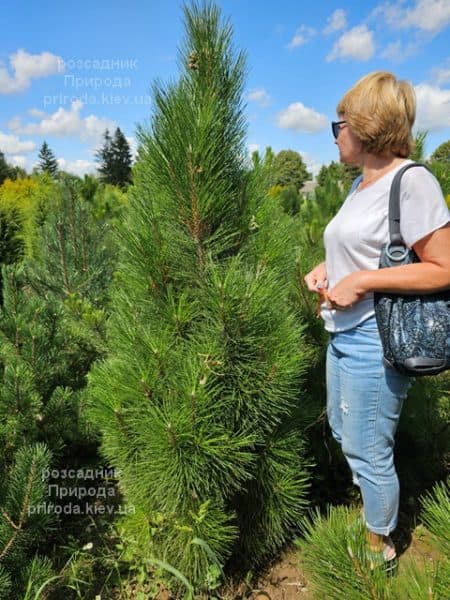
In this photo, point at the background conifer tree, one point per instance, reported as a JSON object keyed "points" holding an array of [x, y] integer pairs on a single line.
{"points": [[339, 173], [51, 327], [196, 401], [5, 168], [47, 161], [104, 157], [51, 330], [23, 522], [11, 246], [115, 159]]}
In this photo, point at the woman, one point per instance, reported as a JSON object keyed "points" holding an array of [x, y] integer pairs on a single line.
{"points": [[364, 397]]}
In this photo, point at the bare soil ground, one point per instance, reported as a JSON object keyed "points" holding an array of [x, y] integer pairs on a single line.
{"points": [[285, 578]]}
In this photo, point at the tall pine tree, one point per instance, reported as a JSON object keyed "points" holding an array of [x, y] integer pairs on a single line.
{"points": [[47, 161], [114, 159], [198, 401], [104, 156]]}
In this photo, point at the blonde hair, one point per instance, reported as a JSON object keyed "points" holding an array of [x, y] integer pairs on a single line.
{"points": [[381, 111]]}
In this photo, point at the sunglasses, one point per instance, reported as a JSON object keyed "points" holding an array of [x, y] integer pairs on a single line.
{"points": [[336, 127]]}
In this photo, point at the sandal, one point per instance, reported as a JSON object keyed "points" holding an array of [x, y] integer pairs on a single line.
{"points": [[385, 560]]}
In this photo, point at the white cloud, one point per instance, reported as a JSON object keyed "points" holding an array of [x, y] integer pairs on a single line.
{"points": [[36, 112], [429, 15], [14, 123], [391, 13], [302, 36], [11, 144], [357, 43], [260, 96], [27, 67], [300, 118], [17, 160], [393, 51], [336, 21], [76, 167], [441, 75], [66, 123], [252, 148], [426, 15], [433, 107], [311, 163], [248, 158], [397, 52]]}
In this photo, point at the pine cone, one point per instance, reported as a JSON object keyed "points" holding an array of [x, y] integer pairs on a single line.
{"points": [[193, 61]]}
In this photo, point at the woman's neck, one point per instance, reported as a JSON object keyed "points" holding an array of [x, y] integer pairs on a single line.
{"points": [[374, 167]]}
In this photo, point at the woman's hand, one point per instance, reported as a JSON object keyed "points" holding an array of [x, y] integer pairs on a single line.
{"points": [[316, 280], [346, 292]]}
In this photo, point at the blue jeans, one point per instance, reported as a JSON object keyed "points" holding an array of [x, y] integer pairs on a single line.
{"points": [[364, 401]]}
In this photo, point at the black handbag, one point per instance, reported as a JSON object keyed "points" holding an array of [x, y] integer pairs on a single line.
{"points": [[414, 329]]}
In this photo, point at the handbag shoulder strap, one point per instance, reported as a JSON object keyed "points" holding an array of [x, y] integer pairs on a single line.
{"points": [[394, 203]]}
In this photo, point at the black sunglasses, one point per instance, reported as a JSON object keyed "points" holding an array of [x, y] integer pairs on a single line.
{"points": [[335, 127]]}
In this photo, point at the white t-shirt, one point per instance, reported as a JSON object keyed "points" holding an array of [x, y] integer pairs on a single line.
{"points": [[355, 236]]}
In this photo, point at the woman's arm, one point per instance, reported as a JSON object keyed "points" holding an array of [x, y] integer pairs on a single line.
{"points": [[432, 274]]}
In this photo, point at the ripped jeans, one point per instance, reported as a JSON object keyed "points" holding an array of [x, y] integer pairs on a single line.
{"points": [[364, 402]]}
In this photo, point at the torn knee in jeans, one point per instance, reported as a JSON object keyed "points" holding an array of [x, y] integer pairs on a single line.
{"points": [[344, 407]]}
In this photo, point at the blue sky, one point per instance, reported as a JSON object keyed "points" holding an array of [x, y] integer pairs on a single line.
{"points": [[69, 71]]}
